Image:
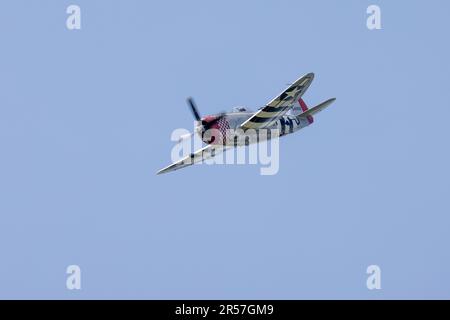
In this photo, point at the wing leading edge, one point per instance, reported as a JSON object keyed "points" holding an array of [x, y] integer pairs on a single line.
{"points": [[200, 155], [276, 108]]}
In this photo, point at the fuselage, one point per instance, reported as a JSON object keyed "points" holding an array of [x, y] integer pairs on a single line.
{"points": [[226, 131]]}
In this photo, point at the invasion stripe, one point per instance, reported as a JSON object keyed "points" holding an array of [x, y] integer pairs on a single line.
{"points": [[264, 114], [257, 119], [272, 109]]}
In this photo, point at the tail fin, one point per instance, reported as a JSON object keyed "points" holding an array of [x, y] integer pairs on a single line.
{"points": [[298, 108], [304, 109]]}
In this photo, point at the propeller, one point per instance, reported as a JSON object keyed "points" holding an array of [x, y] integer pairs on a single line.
{"points": [[190, 101], [205, 124]]}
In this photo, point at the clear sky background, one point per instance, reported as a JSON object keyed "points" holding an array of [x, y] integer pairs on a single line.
{"points": [[86, 118]]}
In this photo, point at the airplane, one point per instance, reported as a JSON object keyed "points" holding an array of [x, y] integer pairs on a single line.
{"points": [[285, 114]]}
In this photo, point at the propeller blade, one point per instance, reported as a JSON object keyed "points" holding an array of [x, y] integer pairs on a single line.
{"points": [[190, 101]]}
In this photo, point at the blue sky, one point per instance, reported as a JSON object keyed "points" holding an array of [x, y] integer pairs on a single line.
{"points": [[86, 118]]}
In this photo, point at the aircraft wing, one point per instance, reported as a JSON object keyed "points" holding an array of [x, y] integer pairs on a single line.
{"points": [[276, 108], [200, 155]]}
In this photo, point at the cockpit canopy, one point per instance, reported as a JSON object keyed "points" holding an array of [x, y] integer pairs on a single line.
{"points": [[240, 109]]}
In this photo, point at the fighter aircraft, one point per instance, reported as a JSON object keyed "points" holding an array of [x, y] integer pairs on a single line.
{"points": [[285, 114]]}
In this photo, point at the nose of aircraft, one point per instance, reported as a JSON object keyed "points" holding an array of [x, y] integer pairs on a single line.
{"points": [[211, 129], [208, 119]]}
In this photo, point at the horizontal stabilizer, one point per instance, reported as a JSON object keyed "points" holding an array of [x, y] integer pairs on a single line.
{"points": [[317, 108]]}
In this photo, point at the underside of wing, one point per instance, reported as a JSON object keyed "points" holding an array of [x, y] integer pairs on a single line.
{"points": [[200, 155], [276, 108]]}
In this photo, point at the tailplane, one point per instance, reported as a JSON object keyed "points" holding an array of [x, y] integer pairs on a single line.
{"points": [[308, 113], [300, 109]]}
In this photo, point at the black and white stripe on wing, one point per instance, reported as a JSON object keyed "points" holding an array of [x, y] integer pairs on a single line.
{"points": [[273, 114], [278, 106]]}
